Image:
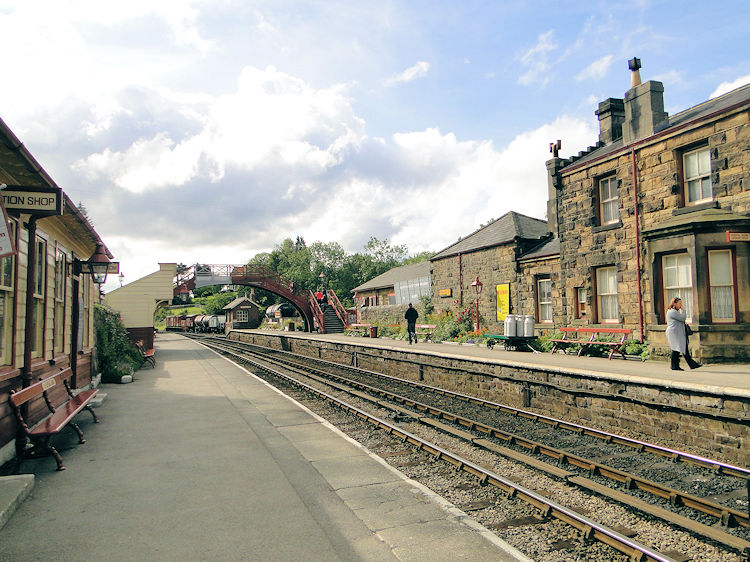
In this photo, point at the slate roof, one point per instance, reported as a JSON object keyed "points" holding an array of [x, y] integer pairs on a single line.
{"points": [[392, 276], [546, 249], [238, 301], [506, 229], [19, 167], [705, 109]]}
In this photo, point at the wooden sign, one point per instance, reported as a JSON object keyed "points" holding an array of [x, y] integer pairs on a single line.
{"points": [[738, 236], [33, 200], [6, 240]]}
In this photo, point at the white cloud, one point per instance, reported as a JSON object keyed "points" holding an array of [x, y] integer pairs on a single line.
{"points": [[597, 69], [415, 71], [725, 87], [272, 119], [537, 60], [278, 157]]}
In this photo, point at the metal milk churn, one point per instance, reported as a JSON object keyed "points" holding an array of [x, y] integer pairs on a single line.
{"points": [[528, 325], [510, 325]]}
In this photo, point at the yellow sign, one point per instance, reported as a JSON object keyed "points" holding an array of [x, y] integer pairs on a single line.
{"points": [[503, 301], [445, 292]]}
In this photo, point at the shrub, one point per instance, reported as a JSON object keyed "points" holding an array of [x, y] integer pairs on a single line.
{"points": [[427, 306], [116, 354]]}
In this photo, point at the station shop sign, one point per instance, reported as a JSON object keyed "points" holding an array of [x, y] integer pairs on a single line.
{"points": [[33, 200]]}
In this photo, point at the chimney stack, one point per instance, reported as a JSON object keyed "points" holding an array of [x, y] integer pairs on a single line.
{"points": [[611, 114], [644, 107]]}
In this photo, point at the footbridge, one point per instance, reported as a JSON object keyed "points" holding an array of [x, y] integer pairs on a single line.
{"points": [[333, 319]]}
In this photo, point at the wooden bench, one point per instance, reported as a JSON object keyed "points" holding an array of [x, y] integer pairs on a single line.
{"points": [[147, 355], [615, 346], [511, 342], [363, 328], [59, 416], [424, 330]]}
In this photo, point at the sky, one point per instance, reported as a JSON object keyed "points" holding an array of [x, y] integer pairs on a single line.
{"points": [[207, 131]]}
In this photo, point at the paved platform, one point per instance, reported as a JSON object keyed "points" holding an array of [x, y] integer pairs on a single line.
{"points": [[200, 460], [723, 379]]}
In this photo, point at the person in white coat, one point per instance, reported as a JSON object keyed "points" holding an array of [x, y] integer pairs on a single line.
{"points": [[677, 335]]}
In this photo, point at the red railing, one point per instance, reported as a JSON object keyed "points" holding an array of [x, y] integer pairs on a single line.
{"points": [[338, 308], [317, 313]]}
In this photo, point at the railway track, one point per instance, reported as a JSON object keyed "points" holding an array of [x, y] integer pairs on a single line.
{"points": [[589, 474]]}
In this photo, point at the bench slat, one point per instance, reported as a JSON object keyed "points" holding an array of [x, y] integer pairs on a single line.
{"points": [[63, 414], [597, 330]]}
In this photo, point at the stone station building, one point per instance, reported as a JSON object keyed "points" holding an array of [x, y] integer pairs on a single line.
{"points": [[493, 254], [658, 208]]}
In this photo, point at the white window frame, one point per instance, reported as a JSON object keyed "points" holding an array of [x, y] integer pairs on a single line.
{"points": [[86, 284], [242, 315], [61, 261], [40, 290], [611, 201], [603, 291], [700, 175], [713, 283], [581, 311], [683, 287], [544, 301], [8, 298]]}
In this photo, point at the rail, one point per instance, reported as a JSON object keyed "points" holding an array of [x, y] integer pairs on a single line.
{"points": [[549, 508]]}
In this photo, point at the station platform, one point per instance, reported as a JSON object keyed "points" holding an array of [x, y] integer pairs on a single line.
{"points": [[718, 378], [200, 460]]}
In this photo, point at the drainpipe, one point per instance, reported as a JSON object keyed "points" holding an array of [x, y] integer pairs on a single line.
{"points": [[460, 280], [28, 343], [637, 244]]}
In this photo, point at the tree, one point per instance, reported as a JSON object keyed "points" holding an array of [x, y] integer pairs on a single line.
{"points": [[292, 261], [216, 303], [418, 258], [84, 211], [383, 252]]}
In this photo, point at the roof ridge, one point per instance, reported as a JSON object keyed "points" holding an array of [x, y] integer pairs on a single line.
{"points": [[711, 100]]}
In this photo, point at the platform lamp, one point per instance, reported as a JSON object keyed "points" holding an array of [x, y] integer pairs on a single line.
{"points": [[477, 284], [98, 265]]}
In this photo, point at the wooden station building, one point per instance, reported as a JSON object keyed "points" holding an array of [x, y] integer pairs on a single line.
{"points": [[47, 293]]}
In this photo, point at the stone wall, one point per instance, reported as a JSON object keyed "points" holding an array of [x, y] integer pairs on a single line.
{"points": [[391, 314], [713, 424], [531, 272], [494, 266]]}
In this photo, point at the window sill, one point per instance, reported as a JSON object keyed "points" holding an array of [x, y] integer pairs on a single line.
{"points": [[696, 207], [604, 227], [7, 373]]}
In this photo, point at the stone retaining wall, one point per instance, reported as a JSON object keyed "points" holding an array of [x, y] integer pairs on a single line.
{"points": [[707, 423]]}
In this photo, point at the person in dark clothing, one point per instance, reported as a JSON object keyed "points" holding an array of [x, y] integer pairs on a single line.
{"points": [[324, 300], [411, 322]]}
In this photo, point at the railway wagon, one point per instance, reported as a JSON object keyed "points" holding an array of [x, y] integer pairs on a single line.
{"points": [[175, 323]]}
